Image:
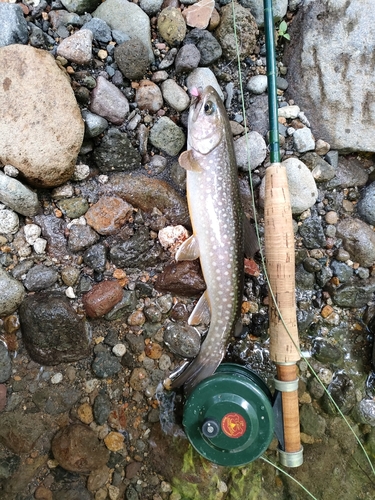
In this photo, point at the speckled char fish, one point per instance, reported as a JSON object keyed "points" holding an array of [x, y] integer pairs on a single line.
{"points": [[218, 231]]}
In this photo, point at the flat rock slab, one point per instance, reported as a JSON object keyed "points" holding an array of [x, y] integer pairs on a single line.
{"points": [[41, 129], [331, 70]]}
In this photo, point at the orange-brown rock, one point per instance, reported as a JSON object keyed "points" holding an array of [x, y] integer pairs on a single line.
{"points": [[102, 298]]}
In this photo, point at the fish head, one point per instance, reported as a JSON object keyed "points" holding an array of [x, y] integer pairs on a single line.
{"points": [[206, 120]]}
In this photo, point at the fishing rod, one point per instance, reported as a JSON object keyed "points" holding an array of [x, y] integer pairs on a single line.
{"points": [[280, 263]]}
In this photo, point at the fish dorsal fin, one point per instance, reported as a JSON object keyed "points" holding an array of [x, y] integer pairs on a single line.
{"points": [[201, 312], [188, 162], [189, 250], [250, 238]]}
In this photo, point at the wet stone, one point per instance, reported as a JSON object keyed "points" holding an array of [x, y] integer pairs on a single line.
{"points": [[94, 124], [209, 48], [312, 265], [126, 305], [73, 207], [342, 271], [135, 252], [96, 257], [365, 412], [53, 230], [366, 205], [355, 293], [304, 279], [358, 239], [116, 153], [136, 342], [81, 237], [51, 330], [3, 401], [343, 392], [183, 278], [5, 363], [109, 214], [326, 352], [182, 340], [102, 298], [77, 449], [19, 432], [139, 379], [70, 275], [101, 408], [349, 173], [18, 197], [40, 277], [312, 233], [79, 492], [312, 423], [105, 365]]}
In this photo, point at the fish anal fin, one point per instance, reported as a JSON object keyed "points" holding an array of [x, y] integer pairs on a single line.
{"points": [[250, 239], [201, 312], [189, 250], [188, 162]]}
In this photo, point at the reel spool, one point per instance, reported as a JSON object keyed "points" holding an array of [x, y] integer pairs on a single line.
{"points": [[228, 417]]}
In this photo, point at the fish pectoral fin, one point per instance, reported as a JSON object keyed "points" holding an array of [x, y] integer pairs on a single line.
{"points": [[188, 162], [189, 250], [201, 312], [250, 238]]}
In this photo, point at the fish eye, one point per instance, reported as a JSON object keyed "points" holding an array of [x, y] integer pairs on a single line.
{"points": [[209, 108]]}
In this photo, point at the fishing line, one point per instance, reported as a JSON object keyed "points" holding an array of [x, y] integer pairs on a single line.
{"points": [[262, 257]]}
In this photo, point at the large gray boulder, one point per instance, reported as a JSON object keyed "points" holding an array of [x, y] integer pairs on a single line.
{"points": [[332, 70]]}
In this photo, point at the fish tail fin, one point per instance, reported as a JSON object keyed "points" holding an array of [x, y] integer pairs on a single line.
{"points": [[201, 367]]}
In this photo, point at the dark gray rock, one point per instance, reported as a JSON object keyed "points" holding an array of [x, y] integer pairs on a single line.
{"points": [[209, 48], [116, 153], [55, 402], [96, 257], [51, 330], [40, 277], [312, 423], [39, 39], [132, 59], [101, 408], [105, 365], [304, 279], [81, 237], [17, 196], [94, 124], [342, 271], [80, 6], [323, 276], [349, 173], [312, 233], [126, 305], [358, 239], [256, 114], [13, 25], [20, 431], [99, 28], [5, 363], [74, 207], [138, 251], [53, 230], [187, 59], [325, 351], [75, 492], [366, 205], [343, 392], [355, 293]]}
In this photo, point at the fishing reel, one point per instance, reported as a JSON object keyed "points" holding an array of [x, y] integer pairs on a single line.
{"points": [[228, 417]]}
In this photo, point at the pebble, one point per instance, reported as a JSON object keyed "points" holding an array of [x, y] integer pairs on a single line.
{"points": [[167, 136], [168, 59], [183, 278], [148, 96], [96, 257], [40, 277], [312, 233], [105, 365], [116, 152], [199, 14], [109, 214], [14, 26], [257, 84], [209, 48], [366, 205], [57, 378], [81, 237], [101, 408], [182, 340], [17, 196], [202, 77], [51, 329], [119, 350], [81, 172], [19, 432], [174, 95], [171, 237], [171, 26], [32, 233], [86, 455], [289, 112], [132, 59], [94, 124], [77, 48], [102, 298], [303, 140], [12, 293], [9, 221], [109, 102], [151, 7], [321, 147], [365, 412], [257, 148], [73, 207], [114, 441], [99, 28], [187, 59], [139, 379]]}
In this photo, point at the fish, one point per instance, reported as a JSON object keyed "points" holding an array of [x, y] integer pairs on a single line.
{"points": [[218, 236]]}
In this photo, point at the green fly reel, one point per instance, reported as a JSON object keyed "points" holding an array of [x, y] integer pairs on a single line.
{"points": [[228, 417]]}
